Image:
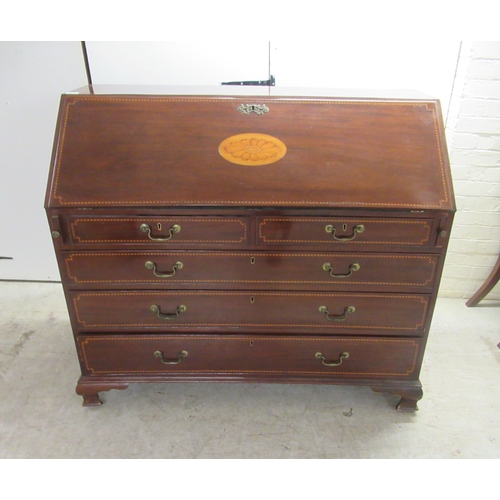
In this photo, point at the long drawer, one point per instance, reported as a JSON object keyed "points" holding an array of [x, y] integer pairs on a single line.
{"points": [[332, 232], [245, 354], [244, 270], [160, 231], [351, 313]]}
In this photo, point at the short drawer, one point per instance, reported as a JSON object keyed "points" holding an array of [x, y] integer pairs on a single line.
{"points": [[251, 270], [338, 232], [246, 355], [370, 314], [159, 231]]}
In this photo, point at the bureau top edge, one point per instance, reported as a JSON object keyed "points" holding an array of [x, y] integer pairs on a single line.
{"points": [[250, 91]]}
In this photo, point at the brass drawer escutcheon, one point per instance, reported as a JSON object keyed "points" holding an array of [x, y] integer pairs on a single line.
{"points": [[357, 229], [151, 265], [343, 356], [258, 109], [352, 268], [147, 229], [342, 317]]}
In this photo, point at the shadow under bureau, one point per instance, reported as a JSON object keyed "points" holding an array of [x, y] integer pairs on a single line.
{"points": [[262, 235]]}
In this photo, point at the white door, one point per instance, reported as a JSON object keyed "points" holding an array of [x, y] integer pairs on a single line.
{"points": [[33, 76]]}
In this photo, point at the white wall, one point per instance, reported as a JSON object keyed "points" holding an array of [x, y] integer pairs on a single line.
{"points": [[425, 66], [473, 133], [33, 76]]}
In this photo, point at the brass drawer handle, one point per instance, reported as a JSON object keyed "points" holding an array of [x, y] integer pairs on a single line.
{"points": [[342, 317], [180, 309], [159, 354], [343, 356], [152, 265], [147, 229], [352, 268], [357, 229]]}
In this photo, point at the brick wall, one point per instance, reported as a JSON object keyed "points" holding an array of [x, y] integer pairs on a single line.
{"points": [[473, 136]]}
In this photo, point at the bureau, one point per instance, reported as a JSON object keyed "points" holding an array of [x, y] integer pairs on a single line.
{"points": [[257, 235]]}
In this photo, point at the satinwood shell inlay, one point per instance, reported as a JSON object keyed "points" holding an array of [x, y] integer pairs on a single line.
{"points": [[252, 149]]}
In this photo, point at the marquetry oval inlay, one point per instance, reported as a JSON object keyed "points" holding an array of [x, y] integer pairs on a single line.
{"points": [[252, 149]]}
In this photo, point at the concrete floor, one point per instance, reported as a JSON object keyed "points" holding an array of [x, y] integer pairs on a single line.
{"points": [[42, 417]]}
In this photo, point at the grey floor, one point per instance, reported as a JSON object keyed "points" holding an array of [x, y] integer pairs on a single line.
{"points": [[42, 417]]}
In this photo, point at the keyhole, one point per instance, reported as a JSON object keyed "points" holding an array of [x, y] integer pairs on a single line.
{"points": [[252, 300], [252, 260], [251, 343], [158, 226], [344, 227]]}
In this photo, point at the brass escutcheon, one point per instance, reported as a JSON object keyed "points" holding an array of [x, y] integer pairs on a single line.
{"points": [[258, 109]]}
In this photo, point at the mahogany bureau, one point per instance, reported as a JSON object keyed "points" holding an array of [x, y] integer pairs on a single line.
{"points": [[249, 235]]}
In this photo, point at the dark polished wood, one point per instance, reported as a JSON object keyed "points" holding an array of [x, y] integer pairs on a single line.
{"points": [[192, 231], [299, 312], [385, 357], [250, 270], [410, 395], [90, 390], [312, 230], [259, 237], [163, 151]]}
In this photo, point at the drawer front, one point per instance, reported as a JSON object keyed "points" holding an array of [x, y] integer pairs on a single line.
{"points": [[160, 231], [335, 232], [327, 271], [367, 314], [245, 354]]}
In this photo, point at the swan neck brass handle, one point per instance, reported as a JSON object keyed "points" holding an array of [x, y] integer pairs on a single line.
{"points": [[357, 229], [175, 268], [170, 316], [342, 317], [173, 229], [159, 354], [343, 356], [352, 268]]}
